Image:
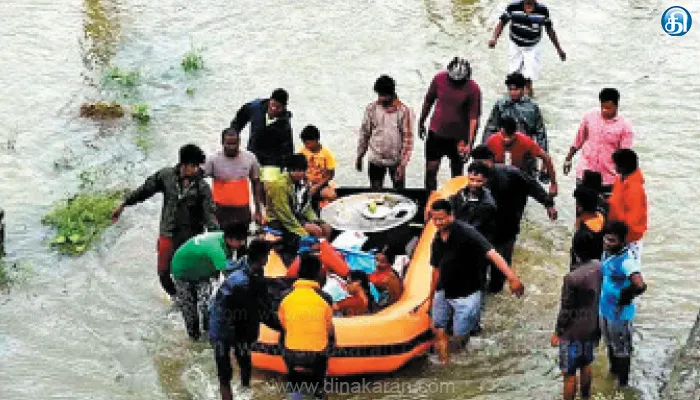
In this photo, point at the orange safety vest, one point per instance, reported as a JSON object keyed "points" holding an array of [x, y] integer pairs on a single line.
{"points": [[234, 192]]}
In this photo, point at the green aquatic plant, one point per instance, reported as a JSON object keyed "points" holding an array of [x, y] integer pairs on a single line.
{"points": [[80, 221], [190, 91], [144, 143], [122, 77], [192, 61], [5, 276], [140, 113], [616, 396]]}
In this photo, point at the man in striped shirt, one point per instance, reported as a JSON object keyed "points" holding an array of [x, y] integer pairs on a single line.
{"points": [[528, 17]]}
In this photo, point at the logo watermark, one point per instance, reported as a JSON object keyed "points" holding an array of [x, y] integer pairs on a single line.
{"points": [[676, 21], [364, 386]]}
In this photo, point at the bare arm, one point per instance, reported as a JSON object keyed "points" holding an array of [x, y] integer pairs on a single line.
{"points": [[553, 37], [257, 194], [497, 33], [433, 283], [547, 160], [516, 285]]}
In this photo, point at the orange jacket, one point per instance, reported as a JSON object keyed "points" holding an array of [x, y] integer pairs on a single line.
{"points": [[628, 203], [329, 259]]}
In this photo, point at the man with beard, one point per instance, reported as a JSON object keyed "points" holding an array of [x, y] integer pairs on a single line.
{"points": [[510, 188], [233, 171], [454, 123]]}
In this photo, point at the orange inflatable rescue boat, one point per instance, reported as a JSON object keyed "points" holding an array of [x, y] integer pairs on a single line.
{"points": [[375, 343]]}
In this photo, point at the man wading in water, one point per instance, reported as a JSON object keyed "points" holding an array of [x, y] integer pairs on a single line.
{"points": [[454, 123], [234, 171], [187, 207], [270, 136], [528, 17], [457, 257]]}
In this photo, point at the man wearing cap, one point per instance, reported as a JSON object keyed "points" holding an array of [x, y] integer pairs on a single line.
{"points": [[270, 136], [454, 123], [195, 263], [523, 109], [528, 17]]}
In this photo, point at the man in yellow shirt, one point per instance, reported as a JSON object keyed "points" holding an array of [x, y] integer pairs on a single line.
{"points": [[308, 334], [321, 166]]}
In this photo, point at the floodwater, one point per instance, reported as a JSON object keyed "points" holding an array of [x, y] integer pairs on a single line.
{"points": [[98, 326]]}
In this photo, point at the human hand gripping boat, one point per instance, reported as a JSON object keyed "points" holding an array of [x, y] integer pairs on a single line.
{"points": [[385, 341]]}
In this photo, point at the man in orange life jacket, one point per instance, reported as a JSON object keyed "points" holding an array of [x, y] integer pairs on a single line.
{"points": [[234, 172]]}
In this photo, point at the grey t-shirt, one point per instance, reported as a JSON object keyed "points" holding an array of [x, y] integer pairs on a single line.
{"points": [[580, 294], [244, 165]]}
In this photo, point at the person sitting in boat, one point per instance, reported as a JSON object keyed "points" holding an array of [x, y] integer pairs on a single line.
{"points": [[321, 167], [289, 208], [360, 300], [385, 279]]}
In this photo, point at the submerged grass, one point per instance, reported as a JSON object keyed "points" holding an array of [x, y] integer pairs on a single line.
{"points": [[192, 61], [140, 113], [122, 77], [5, 276], [80, 221]]}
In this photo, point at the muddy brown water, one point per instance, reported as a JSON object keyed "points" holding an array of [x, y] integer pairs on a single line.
{"points": [[97, 326]]}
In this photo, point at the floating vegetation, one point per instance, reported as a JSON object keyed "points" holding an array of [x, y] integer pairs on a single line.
{"points": [[80, 221], [144, 143], [122, 77], [616, 396], [140, 113], [5, 276], [102, 110], [192, 61], [190, 91]]}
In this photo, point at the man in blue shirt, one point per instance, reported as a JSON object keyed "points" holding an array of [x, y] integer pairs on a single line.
{"points": [[622, 282]]}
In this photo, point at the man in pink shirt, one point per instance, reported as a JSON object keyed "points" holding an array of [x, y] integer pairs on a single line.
{"points": [[453, 126], [600, 134]]}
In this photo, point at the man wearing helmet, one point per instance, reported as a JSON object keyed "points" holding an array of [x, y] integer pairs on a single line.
{"points": [[528, 17], [455, 121]]}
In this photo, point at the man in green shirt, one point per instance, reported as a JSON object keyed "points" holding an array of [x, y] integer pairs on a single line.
{"points": [[196, 263], [289, 208]]}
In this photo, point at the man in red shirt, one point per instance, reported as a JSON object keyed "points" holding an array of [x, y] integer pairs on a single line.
{"points": [[514, 148], [454, 123]]}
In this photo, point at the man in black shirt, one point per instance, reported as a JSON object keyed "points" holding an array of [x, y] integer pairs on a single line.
{"points": [[270, 136], [455, 290], [528, 17], [510, 188]]}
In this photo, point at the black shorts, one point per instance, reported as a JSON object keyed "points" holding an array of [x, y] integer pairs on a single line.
{"points": [[437, 147]]}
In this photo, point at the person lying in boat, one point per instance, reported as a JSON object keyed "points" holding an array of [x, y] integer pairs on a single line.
{"points": [[385, 279], [360, 300]]}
